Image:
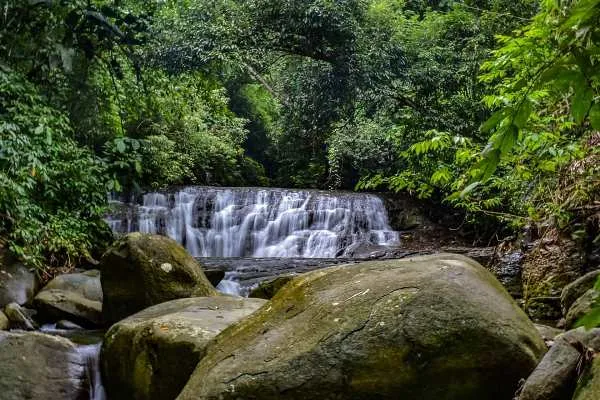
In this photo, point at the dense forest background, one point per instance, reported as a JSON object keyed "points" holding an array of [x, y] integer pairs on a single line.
{"points": [[491, 107]]}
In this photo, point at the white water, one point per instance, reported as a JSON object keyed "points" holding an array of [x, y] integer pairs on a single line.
{"points": [[251, 222], [91, 356]]}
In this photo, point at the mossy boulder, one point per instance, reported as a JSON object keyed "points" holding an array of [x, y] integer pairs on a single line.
{"points": [[141, 270], [432, 327], [268, 289], [20, 317], [37, 366], [75, 297], [576, 289], [151, 355], [581, 307], [4, 322], [588, 387]]}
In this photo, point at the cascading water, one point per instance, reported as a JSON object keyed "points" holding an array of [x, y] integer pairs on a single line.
{"points": [[250, 222]]}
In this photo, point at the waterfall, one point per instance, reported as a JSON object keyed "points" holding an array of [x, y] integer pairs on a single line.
{"points": [[253, 222], [91, 356]]}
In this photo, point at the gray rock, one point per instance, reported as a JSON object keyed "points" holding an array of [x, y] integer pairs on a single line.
{"points": [[150, 355], [548, 333], [20, 317], [17, 283], [35, 366], [555, 377], [4, 322], [576, 289], [581, 307], [76, 297], [546, 308], [140, 271], [432, 327]]}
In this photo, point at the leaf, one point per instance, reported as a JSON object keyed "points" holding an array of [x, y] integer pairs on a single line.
{"points": [[488, 165], [591, 319], [581, 103], [523, 114], [493, 121], [468, 190], [595, 116], [507, 139], [120, 146]]}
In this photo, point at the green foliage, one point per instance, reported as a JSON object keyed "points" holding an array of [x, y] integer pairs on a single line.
{"points": [[52, 192], [592, 319]]}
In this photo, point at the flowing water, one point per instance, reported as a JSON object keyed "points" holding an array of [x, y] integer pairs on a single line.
{"points": [[252, 222]]}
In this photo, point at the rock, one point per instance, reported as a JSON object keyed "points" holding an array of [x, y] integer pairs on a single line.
{"points": [[548, 333], [576, 289], [431, 327], [36, 366], [4, 322], [268, 289], [214, 276], [140, 271], [67, 325], [546, 308], [508, 269], [19, 317], [581, 307], [76, 297], [589, 386], [17, 283], [151, 354], [556, 375]]}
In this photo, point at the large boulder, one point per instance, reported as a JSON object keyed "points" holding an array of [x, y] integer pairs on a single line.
{"points": [[432, 327], [17, 282], [4, 322], [576, 289], [141, 270], [36, 366], [581, 307], [555, 378], [75, 297], [151, 355]]}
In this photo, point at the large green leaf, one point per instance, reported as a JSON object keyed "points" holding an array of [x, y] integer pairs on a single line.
{"points": [[494, 120], [595, 116], [582, 100]]}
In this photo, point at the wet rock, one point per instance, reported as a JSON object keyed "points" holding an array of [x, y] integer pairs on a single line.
{"points": [[143, 270], [36, 366], [268, 289], [17, 283], [576, 289], [76, 297], [508, 269], [581, 307], [20, 317], [544, 308], [555, 377], [431, 327], [150, 355]]}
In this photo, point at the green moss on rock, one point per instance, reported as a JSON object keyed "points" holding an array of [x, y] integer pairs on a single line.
{"points": [[433, 327]]}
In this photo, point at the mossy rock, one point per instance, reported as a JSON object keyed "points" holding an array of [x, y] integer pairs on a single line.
{"points": [[4, 322], [37, 366], [588, 387], [433, 327], [151, 355], [76, 297], [268, 289], [576, 289], [142, 270], [581, 307]]}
